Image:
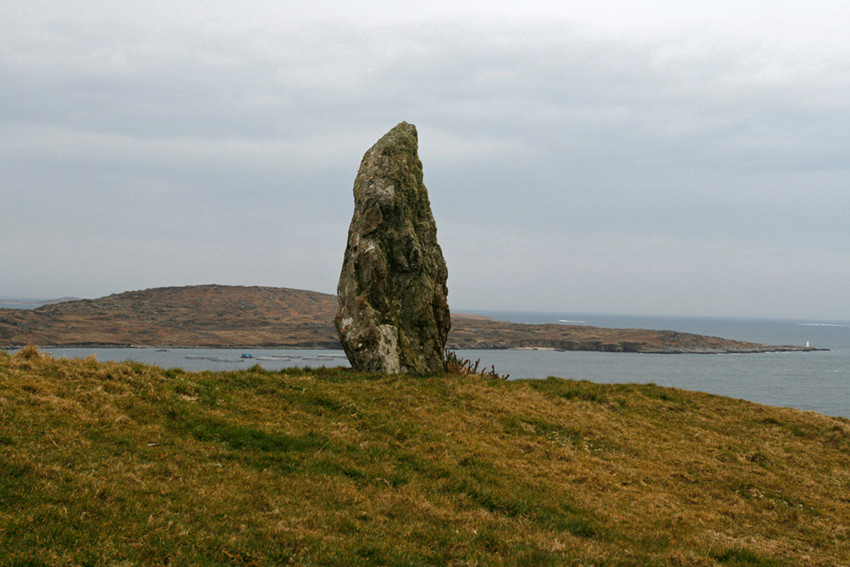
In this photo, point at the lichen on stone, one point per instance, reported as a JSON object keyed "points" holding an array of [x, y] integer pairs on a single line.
{"points": [[393, 314]]}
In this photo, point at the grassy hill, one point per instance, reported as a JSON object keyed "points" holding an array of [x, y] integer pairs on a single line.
{"points": [[127, 464], [205, 315]]}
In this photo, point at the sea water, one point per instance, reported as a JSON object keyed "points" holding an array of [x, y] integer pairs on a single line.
{"points": [[817, 381]]}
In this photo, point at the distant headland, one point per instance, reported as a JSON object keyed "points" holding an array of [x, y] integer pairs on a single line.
{"points": [[274, 317]]}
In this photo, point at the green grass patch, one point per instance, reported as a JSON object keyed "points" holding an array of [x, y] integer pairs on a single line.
{"points": [[744, 558], [243, 438]]}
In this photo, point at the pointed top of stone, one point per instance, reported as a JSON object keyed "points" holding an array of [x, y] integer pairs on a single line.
{"points": [[395, 154], [403, 136]]}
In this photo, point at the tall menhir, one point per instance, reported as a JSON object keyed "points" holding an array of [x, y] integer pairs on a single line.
{"points": [[393, 316]]}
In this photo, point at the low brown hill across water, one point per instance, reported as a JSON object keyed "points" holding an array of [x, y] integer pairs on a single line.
{"points": [[240, 316]]}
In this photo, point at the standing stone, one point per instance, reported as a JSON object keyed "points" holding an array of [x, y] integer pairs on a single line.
{"points": [[393, 316]]}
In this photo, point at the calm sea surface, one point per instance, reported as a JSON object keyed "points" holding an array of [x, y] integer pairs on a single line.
{"points": [[818, 381]]}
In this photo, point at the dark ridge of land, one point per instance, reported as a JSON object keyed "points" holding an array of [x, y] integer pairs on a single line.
{"points": [[241, 316], [189, 316], [492, 334], [129, 464]]}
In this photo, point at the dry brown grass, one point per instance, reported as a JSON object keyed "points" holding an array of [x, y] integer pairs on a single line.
{"points": [[126, 464]]}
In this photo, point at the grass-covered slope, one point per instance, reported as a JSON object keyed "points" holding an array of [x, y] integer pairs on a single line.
{"points": [[126, 464]]}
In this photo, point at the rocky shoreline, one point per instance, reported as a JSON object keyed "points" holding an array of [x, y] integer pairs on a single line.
{"points": [[583, 347]]}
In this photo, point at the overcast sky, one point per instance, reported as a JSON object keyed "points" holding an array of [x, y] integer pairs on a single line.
{"points": [[617, 156]]}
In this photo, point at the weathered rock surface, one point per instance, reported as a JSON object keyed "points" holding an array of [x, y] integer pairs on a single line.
{"points": [[393, 315]]}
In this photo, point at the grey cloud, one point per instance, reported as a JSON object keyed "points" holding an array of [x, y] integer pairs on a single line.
{"points": [[572, 154]]}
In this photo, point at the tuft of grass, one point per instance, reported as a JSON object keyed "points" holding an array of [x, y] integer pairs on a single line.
{"points": [[465, 367], [129, 464]]}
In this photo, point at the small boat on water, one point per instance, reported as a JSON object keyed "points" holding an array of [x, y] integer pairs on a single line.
{"points": [[246, 355]]}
